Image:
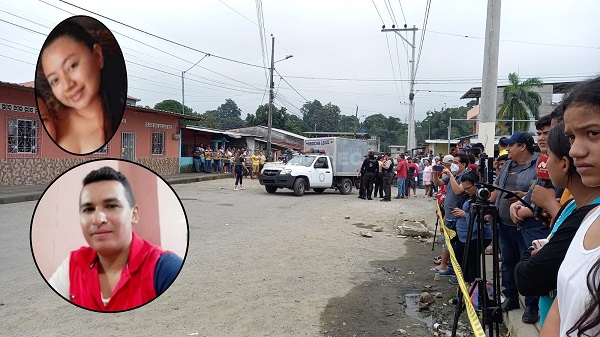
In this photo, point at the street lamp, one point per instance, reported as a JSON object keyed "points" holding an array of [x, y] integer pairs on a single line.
{"points": [[183, 83], [271, 87]]}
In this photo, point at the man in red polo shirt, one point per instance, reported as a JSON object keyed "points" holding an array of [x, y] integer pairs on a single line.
{"points": [[119, 270]]}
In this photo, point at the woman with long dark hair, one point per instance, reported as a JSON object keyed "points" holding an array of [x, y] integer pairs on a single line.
{"points": [[576, 310], [88, 83], [536, 273]]}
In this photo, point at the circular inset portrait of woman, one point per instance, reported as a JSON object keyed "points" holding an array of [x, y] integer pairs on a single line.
{"points": [[109, 235], [81, 85]]}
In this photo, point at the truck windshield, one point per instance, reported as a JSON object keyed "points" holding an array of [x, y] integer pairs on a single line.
{"points": [[302, 160]]}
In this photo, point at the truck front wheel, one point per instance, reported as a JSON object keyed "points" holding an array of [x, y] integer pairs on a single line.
{"points": [[299, 187], [346, 187], [271, 189]]}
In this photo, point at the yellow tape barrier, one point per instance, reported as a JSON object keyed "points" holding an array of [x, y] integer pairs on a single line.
{"points": [[471, 313]]}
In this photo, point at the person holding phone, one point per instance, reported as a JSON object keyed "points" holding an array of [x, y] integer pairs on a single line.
{"points": [[516, 176]]}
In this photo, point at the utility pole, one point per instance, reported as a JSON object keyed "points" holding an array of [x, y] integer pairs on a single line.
{"points": [[356, 122], [487, 112], [411, 140], [271, 87]]}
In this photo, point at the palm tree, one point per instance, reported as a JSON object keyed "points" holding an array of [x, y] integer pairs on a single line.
{"points": [[520, 102]]}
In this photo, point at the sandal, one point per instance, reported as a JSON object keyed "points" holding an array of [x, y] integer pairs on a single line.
{"points": [[437, 259], [435, 269]]}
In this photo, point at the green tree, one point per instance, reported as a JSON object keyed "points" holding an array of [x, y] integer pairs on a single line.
{"points": [[520, 102], [390, 130], [348, 124], [436, 124], [227, 115], [175, 106], [321, 117]]}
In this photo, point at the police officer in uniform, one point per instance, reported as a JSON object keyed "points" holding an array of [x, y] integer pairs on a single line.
{"points": [[362, 191], [370, 167], [388, 169]]}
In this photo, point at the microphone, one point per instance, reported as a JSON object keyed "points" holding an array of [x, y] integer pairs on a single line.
{"points": [[541, 172]]}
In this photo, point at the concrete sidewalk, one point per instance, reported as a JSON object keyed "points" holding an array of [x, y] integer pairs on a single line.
{"points": [[33, 192], [512, 319]]}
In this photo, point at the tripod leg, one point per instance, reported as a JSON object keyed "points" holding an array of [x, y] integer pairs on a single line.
{"points": [[437, 220]]}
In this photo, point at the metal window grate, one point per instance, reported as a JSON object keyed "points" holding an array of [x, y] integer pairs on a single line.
{"points": [[23, 137], [102, 152], [158, 143]]}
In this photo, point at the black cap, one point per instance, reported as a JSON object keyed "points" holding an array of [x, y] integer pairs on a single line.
{"points": [[520, 137]]}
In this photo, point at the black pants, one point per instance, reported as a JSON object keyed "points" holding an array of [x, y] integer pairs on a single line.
{"points": [[379, 185], [473, 268], [368, 181], [387, 185], [362, 192]]}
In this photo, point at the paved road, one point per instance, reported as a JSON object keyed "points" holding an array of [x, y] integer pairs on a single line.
{"points": [[258, 264]]}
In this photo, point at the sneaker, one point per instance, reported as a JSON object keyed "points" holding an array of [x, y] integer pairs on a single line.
{"points": [[396, 197], [236, 189], [453, 280], [510, 304], [530, 316], [242, 188]]}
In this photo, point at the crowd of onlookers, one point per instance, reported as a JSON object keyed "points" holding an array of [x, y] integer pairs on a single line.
{"points": [[221, 160], [548, 220]]}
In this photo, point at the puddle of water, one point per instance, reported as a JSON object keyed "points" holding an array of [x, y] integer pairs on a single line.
{"points": [[412, 309]]}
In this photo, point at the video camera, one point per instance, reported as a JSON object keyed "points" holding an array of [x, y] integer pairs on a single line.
{"points": [[486, 176]]}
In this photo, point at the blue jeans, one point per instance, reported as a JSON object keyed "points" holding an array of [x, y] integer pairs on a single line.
{"points": [[208, 164], [196, 164], [401, 187], [512, 246]]}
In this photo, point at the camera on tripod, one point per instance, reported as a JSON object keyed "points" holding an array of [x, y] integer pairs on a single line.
{"points": [[486, 176]]}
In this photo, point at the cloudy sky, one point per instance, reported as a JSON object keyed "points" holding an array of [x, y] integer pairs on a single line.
{"points": [[339, 53]]}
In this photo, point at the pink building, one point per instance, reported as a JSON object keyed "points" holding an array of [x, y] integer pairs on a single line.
{"points": [[28, 156]]}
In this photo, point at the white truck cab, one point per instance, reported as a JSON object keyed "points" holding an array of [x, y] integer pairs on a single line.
{"points": [[333, 164]]}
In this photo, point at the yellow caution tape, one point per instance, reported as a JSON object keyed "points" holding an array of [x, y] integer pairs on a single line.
{"points": [[471, 313]]}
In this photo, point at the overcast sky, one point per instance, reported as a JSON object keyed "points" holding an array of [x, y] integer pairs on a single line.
{"points": [[338, 48]]}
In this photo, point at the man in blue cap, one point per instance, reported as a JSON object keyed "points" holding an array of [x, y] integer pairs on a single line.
{"points": [[516, 176]]}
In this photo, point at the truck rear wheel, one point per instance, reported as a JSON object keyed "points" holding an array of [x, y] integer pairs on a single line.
{"points": [[319, 190], [271, 189], [299, 187], [346, 187]]}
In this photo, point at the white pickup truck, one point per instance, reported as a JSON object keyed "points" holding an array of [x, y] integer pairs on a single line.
{"points": [[330, 162]]}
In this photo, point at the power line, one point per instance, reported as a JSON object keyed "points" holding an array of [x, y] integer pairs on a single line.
{"points": [[29, 29], [391, 13], [288, 83], [8, 57], [402, 9], [162, 38], [517, 41], [425, 20], [383, 22], [393, 72]]}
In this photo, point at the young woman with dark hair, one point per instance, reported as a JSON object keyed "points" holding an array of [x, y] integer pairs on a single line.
{"points": [[89, 84], [576, 310], [536, 273]]}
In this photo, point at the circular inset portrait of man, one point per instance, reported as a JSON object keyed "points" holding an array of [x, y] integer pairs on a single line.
{"points": [[81, 85], [109, 235]]}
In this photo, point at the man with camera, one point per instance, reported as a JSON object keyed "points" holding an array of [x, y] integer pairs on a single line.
{"points": [[516, 176]]}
